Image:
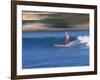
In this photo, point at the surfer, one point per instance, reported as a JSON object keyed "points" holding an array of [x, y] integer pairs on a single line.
{"points": [[67, 38], [67, 41]]}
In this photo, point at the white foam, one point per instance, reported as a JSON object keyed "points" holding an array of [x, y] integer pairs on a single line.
{"points": [[84, 39]]}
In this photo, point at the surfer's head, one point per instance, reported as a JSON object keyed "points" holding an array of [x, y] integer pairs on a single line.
{"points": [[66, 33]]}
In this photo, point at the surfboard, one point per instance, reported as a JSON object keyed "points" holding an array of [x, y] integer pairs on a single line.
{"points": [[72, 43], [60, 45]]}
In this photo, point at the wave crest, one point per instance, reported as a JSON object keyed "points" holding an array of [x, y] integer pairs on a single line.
{"points": [[84, 39]]}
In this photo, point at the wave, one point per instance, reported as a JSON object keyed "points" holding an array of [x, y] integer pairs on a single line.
{"points": [[84, 40], [80, 40], [48, 40]]}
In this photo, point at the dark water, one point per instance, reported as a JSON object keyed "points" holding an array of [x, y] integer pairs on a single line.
{"points": [[39, 50]]}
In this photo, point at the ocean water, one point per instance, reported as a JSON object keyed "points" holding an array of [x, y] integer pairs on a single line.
{"points": [[38, 50]]}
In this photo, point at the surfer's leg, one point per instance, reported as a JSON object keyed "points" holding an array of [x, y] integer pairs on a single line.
{"points": [[68, 41]]}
